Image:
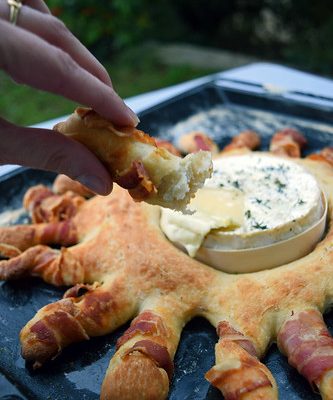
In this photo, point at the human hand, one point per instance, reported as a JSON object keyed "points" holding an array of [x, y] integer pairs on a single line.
{"points": [[41, 52]]}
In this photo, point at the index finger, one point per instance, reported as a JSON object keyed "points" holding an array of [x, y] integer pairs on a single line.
{"points": [[29, 59], [37, 5], [54, 31]]}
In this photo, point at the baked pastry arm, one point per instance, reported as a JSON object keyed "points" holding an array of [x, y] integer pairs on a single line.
{"points": [[287, 142], [143, 363], [56, 267], [195, 141], [326, 155], [85, 311], [238, 373], [21, 237], [135, 162], [52, 217], [44, 205], [306, 341], [244, 140]]}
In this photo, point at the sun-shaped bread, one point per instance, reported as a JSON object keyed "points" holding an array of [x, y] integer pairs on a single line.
{"points": [[120, 267]]}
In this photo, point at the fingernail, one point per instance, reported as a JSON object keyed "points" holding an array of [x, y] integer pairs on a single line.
{"points": [[133, 116], [94, 183]]}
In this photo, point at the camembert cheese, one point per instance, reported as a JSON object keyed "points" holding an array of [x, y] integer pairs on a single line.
{"points": [[250, 201]]}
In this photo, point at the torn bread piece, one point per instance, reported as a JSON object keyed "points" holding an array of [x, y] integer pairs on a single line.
{"points": [[136, 163]]}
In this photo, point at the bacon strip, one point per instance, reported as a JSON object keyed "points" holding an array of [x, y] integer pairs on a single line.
{"points": [[288, 142], [63, 233], [326, 155], [147, 323], [159, 354], [307, 343], [137, 181], [228, 333], [22, 237], [195, 141], [238, 371], [245, 140], [8, 251], [32, 200], [54, 266], [45, 206], [234, 383], [46, 337]]}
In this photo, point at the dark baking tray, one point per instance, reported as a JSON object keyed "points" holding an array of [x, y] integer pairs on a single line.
{"points": [[78, 372]]}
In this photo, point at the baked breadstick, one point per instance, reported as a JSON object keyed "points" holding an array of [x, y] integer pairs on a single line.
{"points": [[148, 172]]}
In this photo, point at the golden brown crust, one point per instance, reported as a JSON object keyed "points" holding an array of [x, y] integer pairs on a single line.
{"points": [[136, 374]]}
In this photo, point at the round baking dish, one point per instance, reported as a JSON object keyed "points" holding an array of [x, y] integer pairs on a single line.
{"points": [[266, 257]]}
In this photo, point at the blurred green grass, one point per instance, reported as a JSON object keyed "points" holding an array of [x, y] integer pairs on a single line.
{"points": [[131, 72]]}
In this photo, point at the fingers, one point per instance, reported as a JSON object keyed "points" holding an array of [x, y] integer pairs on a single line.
{"points": [[31, 60], [37, 5], [49, 150], [63, 184], [53, 31]]}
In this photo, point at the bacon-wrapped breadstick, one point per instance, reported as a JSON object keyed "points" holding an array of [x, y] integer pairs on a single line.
{"points": [[287, 142], [326, 155], [196, 141], [238, 372], [136, 163], [307, 343], [245, 140], [46, 206]]}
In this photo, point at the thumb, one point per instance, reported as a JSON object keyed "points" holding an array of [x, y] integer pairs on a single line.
{"points": [[49, 150]]}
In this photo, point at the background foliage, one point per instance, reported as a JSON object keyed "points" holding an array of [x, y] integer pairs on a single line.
{"points": [[298, 32]]}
